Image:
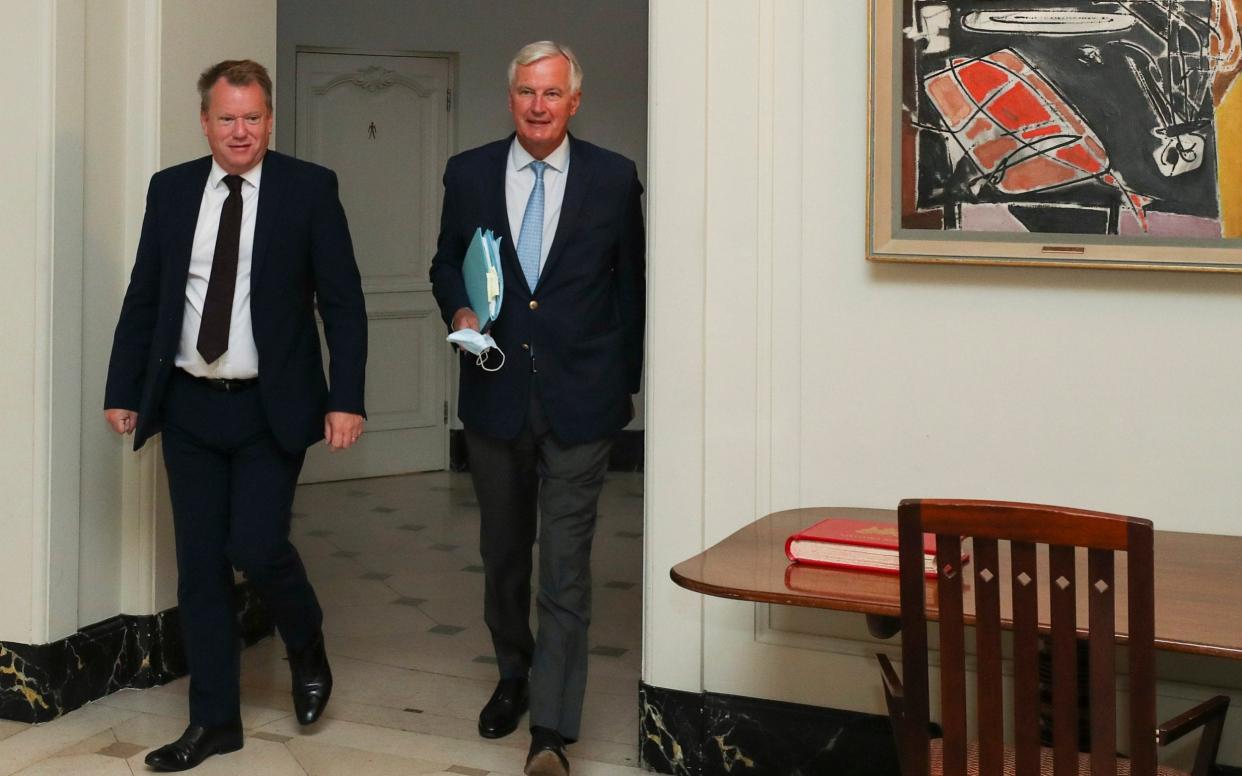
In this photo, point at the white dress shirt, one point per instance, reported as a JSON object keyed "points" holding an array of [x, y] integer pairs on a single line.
{"points": [[241, 360], [520, 182]]}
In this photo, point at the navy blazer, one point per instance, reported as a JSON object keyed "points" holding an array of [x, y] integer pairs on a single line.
{"points": [[584, 320], [302, 255]]}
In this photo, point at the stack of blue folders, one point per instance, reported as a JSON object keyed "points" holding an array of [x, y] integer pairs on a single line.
{"points": [[483, 276]]}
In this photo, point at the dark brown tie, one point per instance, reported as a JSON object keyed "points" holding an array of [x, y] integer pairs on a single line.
{"points": [[213, 333]]}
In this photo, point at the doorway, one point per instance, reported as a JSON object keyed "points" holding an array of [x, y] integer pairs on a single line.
{"points": [[383, 123], [395, 559]]}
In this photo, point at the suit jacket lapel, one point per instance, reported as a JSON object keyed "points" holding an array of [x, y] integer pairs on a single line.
{"points": [[576, 185], [271, 193], [186, 204]]}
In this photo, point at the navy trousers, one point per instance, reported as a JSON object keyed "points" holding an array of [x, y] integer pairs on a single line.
{"points": [[232, 496]]}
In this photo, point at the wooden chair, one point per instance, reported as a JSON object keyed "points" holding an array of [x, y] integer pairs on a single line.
{"points": [[1008, 588]]}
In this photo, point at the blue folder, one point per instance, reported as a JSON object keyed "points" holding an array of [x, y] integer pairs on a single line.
{"points": [[483, 276]]}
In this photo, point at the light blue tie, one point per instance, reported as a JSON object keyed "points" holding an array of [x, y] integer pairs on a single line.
{"points": [[530, 239]]}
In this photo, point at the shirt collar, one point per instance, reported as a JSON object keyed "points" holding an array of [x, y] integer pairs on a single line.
{"points": [[558, 160], [217, 174]]}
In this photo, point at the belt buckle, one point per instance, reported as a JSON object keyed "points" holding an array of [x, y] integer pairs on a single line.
{"points": [[228, 384]]}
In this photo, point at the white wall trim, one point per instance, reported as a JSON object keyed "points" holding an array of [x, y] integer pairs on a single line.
{"points": [[41, 536], [142, 473], [767, 443], [56, 328], [675, 363], [787, 237], [64, 318]]}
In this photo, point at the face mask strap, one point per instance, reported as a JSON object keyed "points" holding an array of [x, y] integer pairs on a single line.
{"points": [[481, 361]]}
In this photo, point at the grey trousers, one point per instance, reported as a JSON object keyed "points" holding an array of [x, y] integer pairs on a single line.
{"points": [[531, 486]]}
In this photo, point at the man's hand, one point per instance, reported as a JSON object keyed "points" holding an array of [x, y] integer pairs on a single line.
{"points": [[341, 429], [465, 319], [122, 421]]}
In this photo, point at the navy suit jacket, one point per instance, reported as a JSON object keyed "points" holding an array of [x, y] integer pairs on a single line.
{"points": [[584, 320], [302, 255]]}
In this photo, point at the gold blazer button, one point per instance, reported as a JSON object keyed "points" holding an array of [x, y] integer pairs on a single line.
{"points": [[534, 305]]}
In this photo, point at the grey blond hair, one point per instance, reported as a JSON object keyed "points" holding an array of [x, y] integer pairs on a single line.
{"points": [[533, 52], [236, 72]]}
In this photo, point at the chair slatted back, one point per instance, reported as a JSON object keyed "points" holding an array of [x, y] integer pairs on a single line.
{"points": [[1013, 532]]}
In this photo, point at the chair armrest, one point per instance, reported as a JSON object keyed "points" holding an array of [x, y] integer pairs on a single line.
{"points": [[1187, 721], [892, 683], [1209, 715], [894, 697]]}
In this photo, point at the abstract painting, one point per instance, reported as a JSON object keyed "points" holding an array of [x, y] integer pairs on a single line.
{"points": [[1083, 126]]}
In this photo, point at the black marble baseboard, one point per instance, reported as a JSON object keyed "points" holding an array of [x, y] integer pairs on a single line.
{"points": [[626, 456], [712, 734], [39, 682]]}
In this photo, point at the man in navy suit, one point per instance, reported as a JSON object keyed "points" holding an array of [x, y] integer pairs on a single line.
{"points": [[217, 348], [540, 428]]}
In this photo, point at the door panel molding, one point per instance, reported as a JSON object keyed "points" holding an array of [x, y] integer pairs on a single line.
{"points": [[382, 121]]}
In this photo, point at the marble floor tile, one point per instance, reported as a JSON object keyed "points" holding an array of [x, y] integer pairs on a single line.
{"points": [[150, 730], [505, 756], [410, 676], [89, 745], [411, 718], [415, 581], [79, 765], [408, 744], [42, 742], [171, 701], [380, 618], [346, 592], [10, 728], [397, 688], [424, 652], [120, 749], [319, 759], [607, 717]]}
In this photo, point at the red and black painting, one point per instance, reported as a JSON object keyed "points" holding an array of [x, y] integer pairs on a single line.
{"points": [[1066, 117]]}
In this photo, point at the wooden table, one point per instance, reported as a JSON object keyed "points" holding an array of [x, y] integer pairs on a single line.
{"points": [[1198, 581]]}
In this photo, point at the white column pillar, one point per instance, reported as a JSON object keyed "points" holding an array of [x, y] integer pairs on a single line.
{"points": [[41, 256], [102, 94], [675, 373]]}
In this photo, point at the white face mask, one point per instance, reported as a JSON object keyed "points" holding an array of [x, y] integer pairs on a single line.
{"points": [[478, 344]]}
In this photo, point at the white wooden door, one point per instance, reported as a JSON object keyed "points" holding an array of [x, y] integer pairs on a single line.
{"points": [[382, 122]]}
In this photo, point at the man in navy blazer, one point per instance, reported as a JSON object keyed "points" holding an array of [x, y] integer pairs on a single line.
{"points": [[218, 349], [539, 429]]}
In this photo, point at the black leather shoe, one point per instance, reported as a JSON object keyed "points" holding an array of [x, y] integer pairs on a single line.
{"points": [[312, 680], [196, 744], [547, 754], [500, 716]]}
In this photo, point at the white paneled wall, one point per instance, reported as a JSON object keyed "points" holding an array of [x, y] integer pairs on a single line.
{"points": [[787, 371], [41, 153], [87, 532]]}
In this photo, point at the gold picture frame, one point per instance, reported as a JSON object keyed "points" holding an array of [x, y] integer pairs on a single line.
{"points": [[891, 25]]}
